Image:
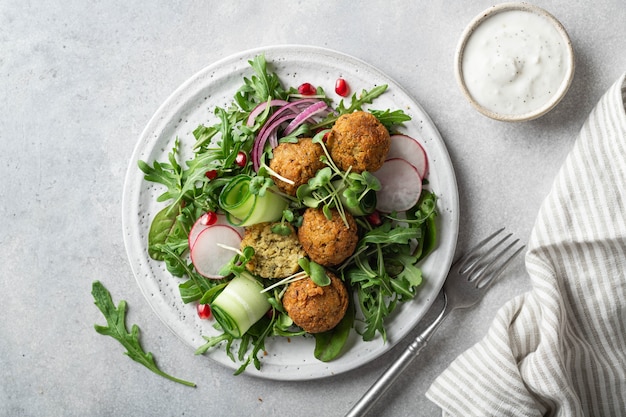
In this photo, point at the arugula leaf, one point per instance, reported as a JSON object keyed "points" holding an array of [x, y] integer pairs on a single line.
{"points": [[366, 97], [410, 272], [214, 341], [204, 134], [116, 320], [254, 337], [375, 308], [189, 291], [389, 118], [357, 102], [387, 234], [385, 270], [169, 174], [260, 87]]}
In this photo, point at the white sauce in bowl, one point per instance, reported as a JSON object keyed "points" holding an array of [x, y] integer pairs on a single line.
{"points": [[515, 62]]}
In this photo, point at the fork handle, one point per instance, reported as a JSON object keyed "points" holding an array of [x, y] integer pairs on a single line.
{"points": [[388, 378], [392, 373]]}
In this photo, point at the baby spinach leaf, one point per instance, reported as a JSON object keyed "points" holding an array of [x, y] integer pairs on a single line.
{"points": [[328, 345], [161, 228]]}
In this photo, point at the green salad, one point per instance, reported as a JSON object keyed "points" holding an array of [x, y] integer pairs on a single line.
{"points": [[228, 184]]}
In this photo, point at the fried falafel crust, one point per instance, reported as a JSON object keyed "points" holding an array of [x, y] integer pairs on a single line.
{"points": [[327, 242], [298, 162], [358, 140], [314, 308]]}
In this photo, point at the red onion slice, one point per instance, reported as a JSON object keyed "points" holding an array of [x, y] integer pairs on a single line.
{"points": [[307, 113], [261, 108]]}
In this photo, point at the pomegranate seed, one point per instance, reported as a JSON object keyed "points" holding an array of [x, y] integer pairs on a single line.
{"points": [[341, 87], [374, 218], [204, 311], [211, 174], [209, 218], [307, 89], [242, 159]]}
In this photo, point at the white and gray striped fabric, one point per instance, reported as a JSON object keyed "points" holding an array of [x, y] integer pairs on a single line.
{"points": [[560, 349]]}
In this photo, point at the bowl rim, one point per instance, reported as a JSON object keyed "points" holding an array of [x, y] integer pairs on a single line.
{"points": [[476, 22]]}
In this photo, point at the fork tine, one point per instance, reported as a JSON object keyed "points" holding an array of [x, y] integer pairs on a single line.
{"points": [[480, 260], [469, 259], [492, 271]]}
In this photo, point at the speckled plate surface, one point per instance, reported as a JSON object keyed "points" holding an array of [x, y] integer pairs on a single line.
{"points": [[192, 104]]}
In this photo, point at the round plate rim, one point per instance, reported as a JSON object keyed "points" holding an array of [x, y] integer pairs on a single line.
{"points": [[130, 203]]}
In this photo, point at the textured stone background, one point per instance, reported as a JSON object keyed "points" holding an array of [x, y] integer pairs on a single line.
{"points": [[79, 81]]}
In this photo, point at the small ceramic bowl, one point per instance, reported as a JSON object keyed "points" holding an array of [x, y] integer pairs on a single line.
{"points": [[514, 62]]}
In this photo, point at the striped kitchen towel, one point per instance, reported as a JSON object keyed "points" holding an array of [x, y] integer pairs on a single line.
{"points": [[560, 349]]}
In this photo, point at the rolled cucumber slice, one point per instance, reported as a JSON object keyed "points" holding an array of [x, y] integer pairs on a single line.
{"points": [[245, 208], [240, 305]]}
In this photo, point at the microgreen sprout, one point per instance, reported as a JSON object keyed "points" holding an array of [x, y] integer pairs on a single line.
{"points": [[282, 227], [230, 248], [259, 185], [333, 188], [239, 261], [288, 280], [310, 269], [315, 271], [266, 170]]}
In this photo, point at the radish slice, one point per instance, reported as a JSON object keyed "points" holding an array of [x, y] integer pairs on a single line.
{"points": [[202, 223], [207, 254], [407, 148], [401, 186]]}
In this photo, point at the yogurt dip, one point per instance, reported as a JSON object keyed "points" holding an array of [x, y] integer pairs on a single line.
{"points": [[515, 63]]}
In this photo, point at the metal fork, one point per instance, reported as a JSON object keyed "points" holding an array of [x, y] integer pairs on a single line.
{"points": [[469, 278]]}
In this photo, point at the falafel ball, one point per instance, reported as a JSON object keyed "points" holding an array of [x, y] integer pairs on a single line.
{"points": [[275, 255], [327, 242], [298, 162], [316, 309], [359, 140]]}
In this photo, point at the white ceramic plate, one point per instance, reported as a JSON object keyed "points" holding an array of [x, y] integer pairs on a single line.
{"points": [[192, 104]]}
